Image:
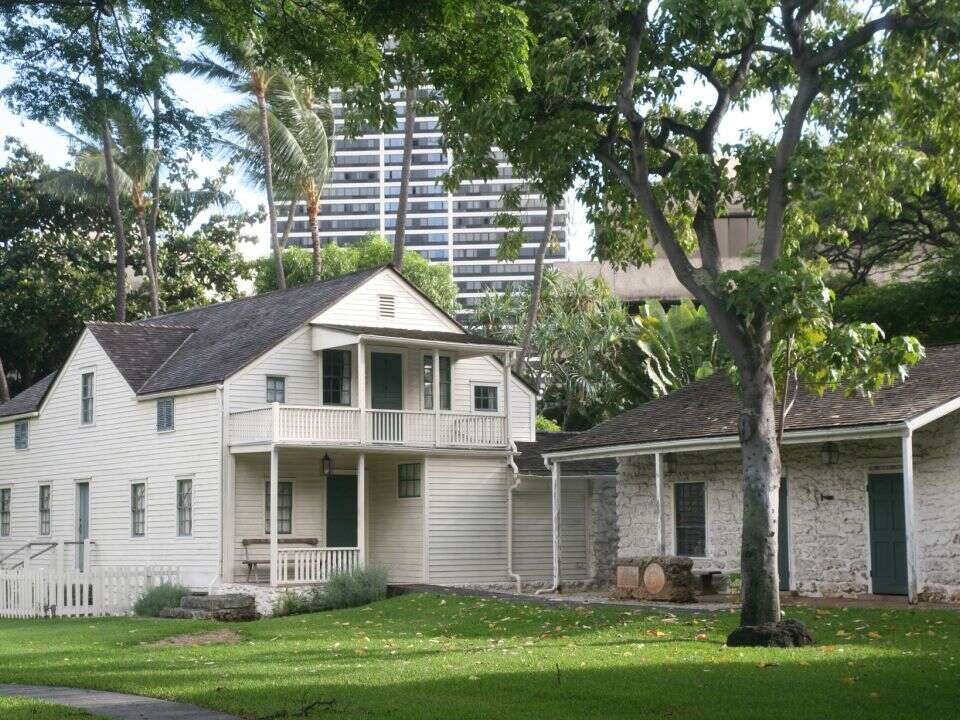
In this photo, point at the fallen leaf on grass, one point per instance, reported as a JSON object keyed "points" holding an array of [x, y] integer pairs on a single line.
{"points": [[847, 680], [763, 664]]}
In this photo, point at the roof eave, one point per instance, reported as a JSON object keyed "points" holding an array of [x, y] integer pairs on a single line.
{"points": [[19, 416]]}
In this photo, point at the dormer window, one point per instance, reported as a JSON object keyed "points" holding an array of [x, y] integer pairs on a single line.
{"points": [[86, 399], [387, 306]]}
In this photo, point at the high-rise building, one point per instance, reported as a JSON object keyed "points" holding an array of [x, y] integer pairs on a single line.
{"points": [[457, 228]]}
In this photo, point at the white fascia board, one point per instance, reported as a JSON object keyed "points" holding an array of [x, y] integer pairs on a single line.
{"points": [[183, 391], [936, 413], [795, 437], [327, 337], [21, 416]]}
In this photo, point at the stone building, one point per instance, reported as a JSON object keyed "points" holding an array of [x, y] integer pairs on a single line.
{"points": [[869, 497]]}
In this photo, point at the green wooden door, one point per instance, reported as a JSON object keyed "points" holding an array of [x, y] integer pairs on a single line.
{"points": [[386, 381], [342, 511], [783, 539], [888, 535]]}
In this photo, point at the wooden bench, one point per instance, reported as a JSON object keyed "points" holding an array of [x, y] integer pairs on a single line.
{"points": [[706, 580], [254, 565]]}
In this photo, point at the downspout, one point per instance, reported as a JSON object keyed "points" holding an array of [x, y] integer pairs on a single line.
{"points": [[517, 480], [221, 408], [556, 580]]}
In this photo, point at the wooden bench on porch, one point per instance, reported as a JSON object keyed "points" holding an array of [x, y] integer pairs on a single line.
{"points": [[253, 565], [707, 580]]}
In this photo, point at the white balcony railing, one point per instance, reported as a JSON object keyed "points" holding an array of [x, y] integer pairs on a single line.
{"points": [[350, 426], [314, 565]]}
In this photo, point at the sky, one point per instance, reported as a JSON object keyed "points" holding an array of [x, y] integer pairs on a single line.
{"points": [[207, 98]]}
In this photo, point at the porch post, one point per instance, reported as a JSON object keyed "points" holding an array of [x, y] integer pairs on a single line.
{"points": [[556, 504], [436, 397], [362, 509], [362, 389], [507, 376], [909, 516], [274, 544], [658, 491]]}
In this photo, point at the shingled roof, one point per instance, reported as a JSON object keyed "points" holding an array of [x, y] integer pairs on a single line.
{"points": [[709, 408], [530, 459], [204, 345]]}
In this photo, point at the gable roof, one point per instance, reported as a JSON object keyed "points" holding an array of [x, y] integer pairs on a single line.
{"points": [[710, 408], [138, 350], [29, 400], [530, 459], [426, 335]]}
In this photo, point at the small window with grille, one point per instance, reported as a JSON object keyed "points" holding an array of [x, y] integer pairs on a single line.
{"points": [[138, 509], [185, 507], [690, 507], [284, 508], [409, 477], [44, 510], [164, 414]]}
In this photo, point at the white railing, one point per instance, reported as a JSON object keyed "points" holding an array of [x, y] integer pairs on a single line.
{"points": [[456, 429], [301, 424], [310, 424], [315, 564], [51, 591]]}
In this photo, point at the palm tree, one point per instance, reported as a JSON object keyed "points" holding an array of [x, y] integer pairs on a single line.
{"points": [[536, 290], [242, 71], [128, 170]]}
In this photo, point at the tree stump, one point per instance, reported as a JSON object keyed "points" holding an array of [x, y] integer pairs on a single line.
{"points": [[660, 577]]}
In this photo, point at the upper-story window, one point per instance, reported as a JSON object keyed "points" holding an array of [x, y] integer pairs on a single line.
{"points": [[164, 414], [388, 306], [21, 438], [5, 512], [86, 398], [276, 389], [485, 398], [430, 381], [336, 377], [44, 509]]}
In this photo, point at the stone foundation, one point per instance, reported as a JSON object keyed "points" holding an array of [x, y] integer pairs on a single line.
{"points": [[265, 597]]}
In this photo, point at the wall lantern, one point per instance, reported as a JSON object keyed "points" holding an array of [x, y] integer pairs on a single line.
{"points": [[830, 452], [327, 465]]}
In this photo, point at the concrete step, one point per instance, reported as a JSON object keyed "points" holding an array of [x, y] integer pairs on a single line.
{"points": [[228, 615], [234, 601]]}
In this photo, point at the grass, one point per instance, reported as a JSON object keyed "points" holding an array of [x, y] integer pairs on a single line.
{"points": [[12, 708], [424, 656]]}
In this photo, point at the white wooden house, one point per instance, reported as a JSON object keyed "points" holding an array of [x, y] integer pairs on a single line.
{"points": [[377, 426]]}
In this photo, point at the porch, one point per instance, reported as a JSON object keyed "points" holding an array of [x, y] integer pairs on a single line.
{"points": [[337, 510]]}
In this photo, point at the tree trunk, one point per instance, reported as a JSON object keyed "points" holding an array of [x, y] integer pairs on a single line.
{"points": [[113, 196], [761, 486], [536, 289], [313, 209], [268, 181], [148, 261], [4, 387], [409, 121], [155, 186]]}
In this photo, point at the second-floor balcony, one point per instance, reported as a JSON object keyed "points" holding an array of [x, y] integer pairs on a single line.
{"points": [[296, 425]]}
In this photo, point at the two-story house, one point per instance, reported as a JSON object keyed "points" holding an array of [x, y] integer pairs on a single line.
{"points": [[281, 437]]}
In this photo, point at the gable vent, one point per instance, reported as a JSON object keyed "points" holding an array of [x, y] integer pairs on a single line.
{"points": [[387, 306]]}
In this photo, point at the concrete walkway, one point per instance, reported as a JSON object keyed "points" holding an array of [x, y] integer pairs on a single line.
{"points": [[114, 705]]}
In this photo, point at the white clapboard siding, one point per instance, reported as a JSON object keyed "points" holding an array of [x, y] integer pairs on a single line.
{"points": [[396, 524], [533, 533], [362, 307], [292, 359], [486, 371], [121, 447]]}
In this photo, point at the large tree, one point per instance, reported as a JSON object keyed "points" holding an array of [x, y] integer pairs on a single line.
{"points": [[604, 103]]}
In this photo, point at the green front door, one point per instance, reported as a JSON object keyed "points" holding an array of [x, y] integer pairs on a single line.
{"points": [[888, 535], [342, 511]]}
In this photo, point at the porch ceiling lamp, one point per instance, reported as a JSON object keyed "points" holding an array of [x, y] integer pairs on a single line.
{"points": [[830, 452], [327, 465]]}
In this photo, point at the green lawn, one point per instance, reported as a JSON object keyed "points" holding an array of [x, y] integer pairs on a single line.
{"points": [[23, 709], [424, 656]]}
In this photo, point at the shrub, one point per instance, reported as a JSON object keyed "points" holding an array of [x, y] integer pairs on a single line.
{"points": [[290, 603], [157, 598], [360, 586]]}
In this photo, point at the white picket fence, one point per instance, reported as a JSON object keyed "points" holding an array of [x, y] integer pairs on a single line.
{"points": [[52, 592]]}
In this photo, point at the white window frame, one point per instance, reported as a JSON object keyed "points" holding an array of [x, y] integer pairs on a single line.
{"points": [[706, 517], [49, 531], [180, 479], [293, 504], [173, 414], [435, 381], [350, 378], [283, 388], [93, 394], [8, 491], [25, 424], [473, 397], [133, 484], [419, 480]]}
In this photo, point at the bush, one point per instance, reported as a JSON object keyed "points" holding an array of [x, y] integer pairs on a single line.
{"points": [[360, 586], [291, 603], [157, 598]]}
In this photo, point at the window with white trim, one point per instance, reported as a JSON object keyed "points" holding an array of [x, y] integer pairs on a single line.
{"points": [[138, 509], [86, 398], [429, 381], [5, 512], [485, 398], [336, 377], [185, 507], [409, 477], [276, 389], [44, 509], [690, 518], [284, 507], [21, 434], [165, 414]]}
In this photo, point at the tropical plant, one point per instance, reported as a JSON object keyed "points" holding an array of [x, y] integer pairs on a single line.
{"points": [[679, 345]]}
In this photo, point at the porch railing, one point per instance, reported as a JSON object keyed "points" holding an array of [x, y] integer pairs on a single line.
{"points": [[315, 564], [302, 424]]}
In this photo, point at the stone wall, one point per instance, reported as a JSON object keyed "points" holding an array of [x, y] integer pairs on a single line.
{"points": [[828, 522], [604, 530]]}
